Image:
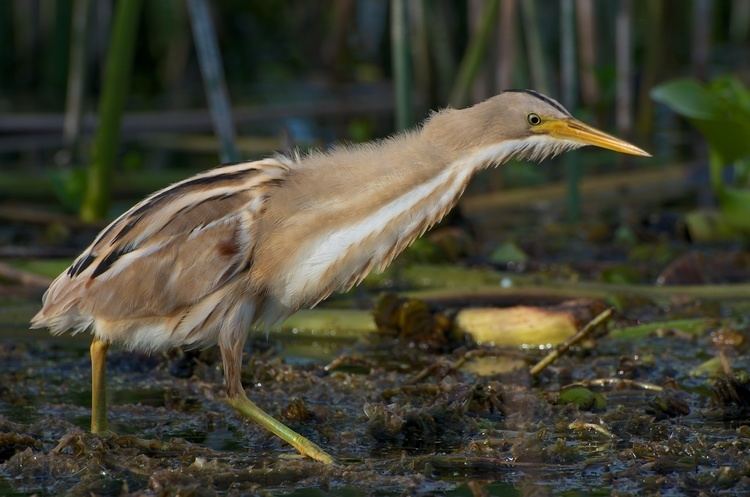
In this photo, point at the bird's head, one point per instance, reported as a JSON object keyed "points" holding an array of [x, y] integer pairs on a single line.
{"points": [[521, 124]]}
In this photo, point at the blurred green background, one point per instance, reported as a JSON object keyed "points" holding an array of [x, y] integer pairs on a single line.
{"points": [[105, 101]]}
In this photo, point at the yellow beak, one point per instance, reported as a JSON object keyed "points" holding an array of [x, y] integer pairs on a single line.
{"points": [[575, 130]]}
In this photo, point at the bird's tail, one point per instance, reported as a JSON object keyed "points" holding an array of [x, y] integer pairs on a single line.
{"points": [[59, 311]]}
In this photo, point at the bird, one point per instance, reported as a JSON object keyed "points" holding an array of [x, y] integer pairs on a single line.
{"points": [[242, 246]]}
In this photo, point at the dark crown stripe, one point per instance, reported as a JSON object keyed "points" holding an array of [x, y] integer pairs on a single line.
{"points": [[543, 98]]}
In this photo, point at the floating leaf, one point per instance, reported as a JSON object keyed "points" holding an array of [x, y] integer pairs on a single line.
{"points": [[706, 225], [583, 398], [711, 367], [735, 207], [692, 326], [508, 253], [515, 326]]}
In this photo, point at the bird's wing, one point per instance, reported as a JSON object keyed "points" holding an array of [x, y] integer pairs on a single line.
{"points": [[170, 250]]}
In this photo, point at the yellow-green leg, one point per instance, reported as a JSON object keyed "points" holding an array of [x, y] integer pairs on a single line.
{"points": [[98, 385], [231, 354], [250, 410]]}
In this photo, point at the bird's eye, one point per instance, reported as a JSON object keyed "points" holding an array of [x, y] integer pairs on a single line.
{"points": [[533, 119]]}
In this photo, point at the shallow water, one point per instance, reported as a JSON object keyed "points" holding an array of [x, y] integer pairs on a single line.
{"points": [[454, 432]]}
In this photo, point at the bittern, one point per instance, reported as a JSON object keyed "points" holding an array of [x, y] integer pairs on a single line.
{"points": [[243, 246]]}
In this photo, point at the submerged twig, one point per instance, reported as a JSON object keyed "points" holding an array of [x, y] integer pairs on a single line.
{"points": [[411, 390], [450, 464], [616, 383], [565, 346], [455, 365], [472, 354], [347, 360], [427, 371], [580, 426]]}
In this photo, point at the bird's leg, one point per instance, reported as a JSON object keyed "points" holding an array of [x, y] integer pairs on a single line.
{"points": [[98, 384], [231, 355]]}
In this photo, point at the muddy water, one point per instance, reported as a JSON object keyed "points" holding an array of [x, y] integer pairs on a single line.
{"points": [[393, 430]]}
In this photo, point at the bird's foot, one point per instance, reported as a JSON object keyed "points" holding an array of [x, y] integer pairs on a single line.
{"points": [[250, 410]]}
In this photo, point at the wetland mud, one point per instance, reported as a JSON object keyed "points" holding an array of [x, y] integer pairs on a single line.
{"points": [[656, 401], [664, 411]]}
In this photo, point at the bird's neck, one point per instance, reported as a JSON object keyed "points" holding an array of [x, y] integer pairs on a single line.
{"points": [[400, 185], [342, 213], [352, 210]]}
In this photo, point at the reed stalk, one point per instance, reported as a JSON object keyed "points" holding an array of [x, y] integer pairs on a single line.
{"points": [[474, 55], [111, 105], [537, 60], [401, 60], [212, 71], [76, 77], [569, 93], [507, 45]]}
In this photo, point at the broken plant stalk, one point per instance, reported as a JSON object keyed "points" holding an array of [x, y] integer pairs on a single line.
{"points": [[565, 346]]}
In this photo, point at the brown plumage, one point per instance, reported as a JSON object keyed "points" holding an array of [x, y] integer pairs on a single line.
{"points": [[199, 262], [162, 265]]}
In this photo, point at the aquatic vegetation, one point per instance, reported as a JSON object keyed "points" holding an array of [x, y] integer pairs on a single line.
{"points": [[720, 110], [617, 412]]}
